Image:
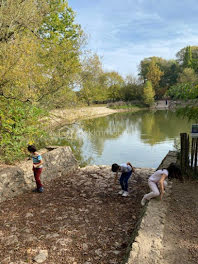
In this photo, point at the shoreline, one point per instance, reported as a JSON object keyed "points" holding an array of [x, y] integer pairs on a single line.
{"points": [[69, 116]]}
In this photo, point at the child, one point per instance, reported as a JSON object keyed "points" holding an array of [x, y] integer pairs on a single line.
{"points": [[157, 182], [126, 169], [37, 167]]}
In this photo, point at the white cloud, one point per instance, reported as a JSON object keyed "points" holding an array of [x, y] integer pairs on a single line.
{"points": [[125, 32]]}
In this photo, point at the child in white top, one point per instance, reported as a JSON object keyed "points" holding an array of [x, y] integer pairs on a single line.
{"points": [[157, 182]]}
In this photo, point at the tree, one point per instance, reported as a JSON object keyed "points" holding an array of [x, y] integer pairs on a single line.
{"points": [[40, 46], [183, 91], [114, 84], [187, 63], [39, 49], [132, 89], [148, 93], [19, 47], [62, 39], [188, 76], [154, 75], [188, 57], [91, 78], [171, 71], [154, 69]]}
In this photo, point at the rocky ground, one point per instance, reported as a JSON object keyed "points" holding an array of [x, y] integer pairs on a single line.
{"points": [[79, 219]]}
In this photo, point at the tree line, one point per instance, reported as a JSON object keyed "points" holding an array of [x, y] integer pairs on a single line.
{"points": [[44, 64]]}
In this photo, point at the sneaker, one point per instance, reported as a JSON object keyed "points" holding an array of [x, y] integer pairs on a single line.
{"points": [[125, 194], [35, 190], [40, 190], [143, 201], [121, 192]]}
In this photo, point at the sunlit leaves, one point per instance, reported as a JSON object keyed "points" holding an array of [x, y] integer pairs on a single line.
{"points": [[18, 126], [148, 93]]}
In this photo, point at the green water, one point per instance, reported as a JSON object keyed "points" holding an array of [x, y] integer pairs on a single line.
{"points": [[143, 138]]}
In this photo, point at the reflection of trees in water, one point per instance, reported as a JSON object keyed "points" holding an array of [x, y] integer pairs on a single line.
{"points": [[101, 129], [63, 137], [159, 126], [153, 126]]}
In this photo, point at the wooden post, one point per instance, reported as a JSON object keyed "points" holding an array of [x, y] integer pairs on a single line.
{"points": [[192, 152], [196, 149], [184, 153]]}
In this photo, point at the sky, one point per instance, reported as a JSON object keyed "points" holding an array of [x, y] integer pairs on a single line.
{"points": [[123, 32]]}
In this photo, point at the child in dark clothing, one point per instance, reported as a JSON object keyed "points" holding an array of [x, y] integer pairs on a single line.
{"points": [[37, 167], [126, 170]]}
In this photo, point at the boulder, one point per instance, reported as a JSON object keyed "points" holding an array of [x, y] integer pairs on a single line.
{"points": [[14, 180], [11, 182]]}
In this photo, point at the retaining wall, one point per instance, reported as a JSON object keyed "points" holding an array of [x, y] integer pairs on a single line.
{"points": [[146, 248], [14, 180]]}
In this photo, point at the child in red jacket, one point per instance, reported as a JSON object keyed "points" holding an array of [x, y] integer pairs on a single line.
{"points": [[37, 167]]}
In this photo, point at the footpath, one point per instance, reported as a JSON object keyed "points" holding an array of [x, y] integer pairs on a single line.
{"points": [[168, 232], [180, 239]]}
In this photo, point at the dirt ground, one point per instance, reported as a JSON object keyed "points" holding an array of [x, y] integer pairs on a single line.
{"points": [[79, 219], [181, 225]]}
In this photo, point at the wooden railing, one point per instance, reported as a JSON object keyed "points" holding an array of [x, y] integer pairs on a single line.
{"points": [[188, 155]]}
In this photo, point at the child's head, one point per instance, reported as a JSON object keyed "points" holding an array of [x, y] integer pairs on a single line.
{"points": [[31, 148], [174, 172], [115, 167]]}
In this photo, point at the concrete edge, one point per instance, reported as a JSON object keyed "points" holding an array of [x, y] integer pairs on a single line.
{"points": [[146, 241]]}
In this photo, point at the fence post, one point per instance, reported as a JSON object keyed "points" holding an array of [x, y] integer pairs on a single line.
{"points": [[184, 139], [196, 149]]}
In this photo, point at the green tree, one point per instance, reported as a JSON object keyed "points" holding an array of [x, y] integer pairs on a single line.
{"points": [[114, 84], [187, 63], [162, 73], [188, 57], [154, 75], [188, 75], [39, 49], [148, 93], [183, 91], [18, 126], [132, 89], [40, 46], [91, 79]]}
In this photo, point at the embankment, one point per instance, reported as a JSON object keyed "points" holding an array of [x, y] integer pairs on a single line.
{"points": [[61, 117]]}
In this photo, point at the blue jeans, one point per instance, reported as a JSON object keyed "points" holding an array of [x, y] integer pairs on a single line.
{"points": [[124, 180]]}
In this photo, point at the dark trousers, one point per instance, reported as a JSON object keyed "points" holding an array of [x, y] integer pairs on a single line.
{"points": [[37, 174], [124, 180]]}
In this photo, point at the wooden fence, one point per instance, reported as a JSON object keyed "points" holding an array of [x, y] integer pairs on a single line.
{"points": [[188, 158]]}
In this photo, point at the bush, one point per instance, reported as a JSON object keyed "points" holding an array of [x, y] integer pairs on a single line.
{"points": [[19, 126]]}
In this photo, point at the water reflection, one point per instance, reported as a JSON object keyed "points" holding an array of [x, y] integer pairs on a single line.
{"points": [[143, 138]]}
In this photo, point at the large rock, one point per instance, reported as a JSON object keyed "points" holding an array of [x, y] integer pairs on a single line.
{"points": [[11, 182], [14, 180]]}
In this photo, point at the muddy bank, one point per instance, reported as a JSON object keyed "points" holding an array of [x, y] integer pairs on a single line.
{"points": [[61, 117]]}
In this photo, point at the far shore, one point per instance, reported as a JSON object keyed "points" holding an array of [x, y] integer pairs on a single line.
{"points": [[67, 116], [61, 117]]}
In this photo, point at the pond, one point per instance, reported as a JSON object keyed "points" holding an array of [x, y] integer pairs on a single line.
{"points": [[143, 138]]}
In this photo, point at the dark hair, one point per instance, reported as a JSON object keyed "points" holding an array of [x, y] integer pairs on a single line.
{"points": [[174, 171], [115, 167], [32, 148]]}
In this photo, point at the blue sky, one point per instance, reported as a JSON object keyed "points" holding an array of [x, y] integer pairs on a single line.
{"points": [[123, 32]]}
